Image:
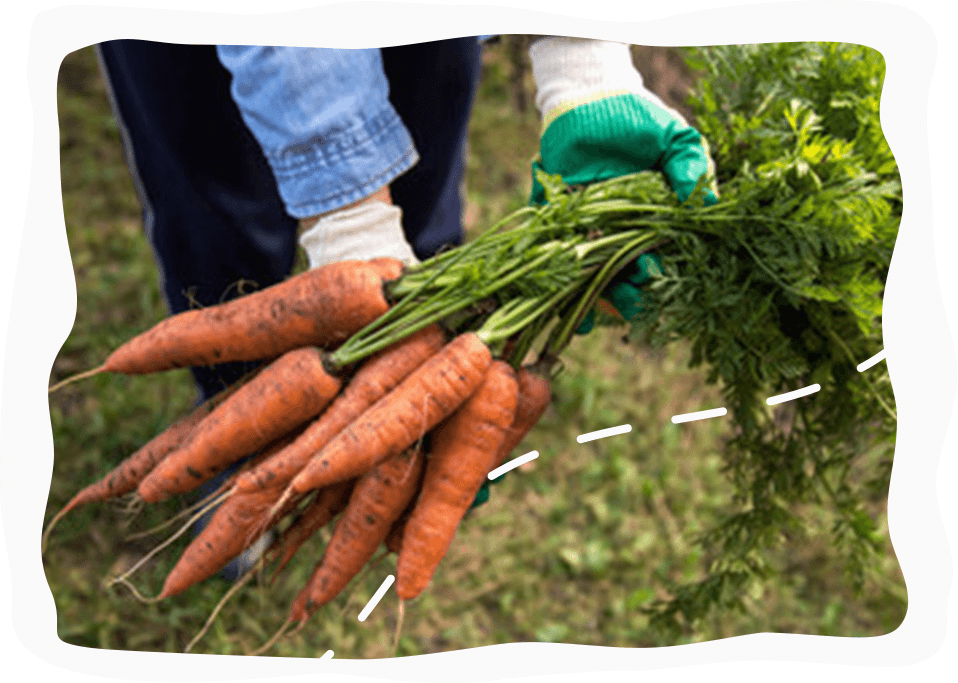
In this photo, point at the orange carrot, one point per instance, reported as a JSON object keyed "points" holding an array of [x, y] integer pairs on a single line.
{"points": [[375, 378], [533, 400], [321, 307], [328, 503], [287, 393], [535, 394], [463, 450], [126, 476], [402, 417], [234, 527], [377, 501]]}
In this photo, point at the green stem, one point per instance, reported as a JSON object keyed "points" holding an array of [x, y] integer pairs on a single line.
{"points": [[518, 318], [562, 335], [441, 264]]}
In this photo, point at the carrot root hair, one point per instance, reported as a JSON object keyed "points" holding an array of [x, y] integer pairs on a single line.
{"points": [[274, 638], [122, 578], [399, 619], [136, 593], [202, 503], [234, 589], [76, 378], [45, 539]]}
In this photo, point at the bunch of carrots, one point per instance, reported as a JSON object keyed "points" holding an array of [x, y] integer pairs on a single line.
{"points": [[386, 397]]}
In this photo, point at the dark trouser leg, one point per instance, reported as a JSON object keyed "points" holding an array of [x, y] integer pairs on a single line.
{"points": [[210, 205], [432, 87], [211, 208]]}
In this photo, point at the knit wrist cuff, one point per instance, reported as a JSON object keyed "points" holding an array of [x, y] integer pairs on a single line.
{"points": [[370, 230]]}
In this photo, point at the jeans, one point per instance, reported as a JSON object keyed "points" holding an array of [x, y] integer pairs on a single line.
{"points": [[222, 185]]}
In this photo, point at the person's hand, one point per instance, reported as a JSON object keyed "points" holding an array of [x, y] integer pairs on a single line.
{"points": [[367, 229], [600, 122]]}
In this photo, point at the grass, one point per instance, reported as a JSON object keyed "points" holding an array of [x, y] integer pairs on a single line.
{"points": [[568, 549]]}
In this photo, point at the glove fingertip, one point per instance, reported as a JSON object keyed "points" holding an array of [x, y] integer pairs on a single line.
{"points": [[588, 322], [482, 496], [627, 299]]}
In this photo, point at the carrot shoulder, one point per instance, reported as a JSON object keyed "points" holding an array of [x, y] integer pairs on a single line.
{"points": [[401, 418], [321, 307], [377, 501], [375, 378], [463, 450], [287, 393]]}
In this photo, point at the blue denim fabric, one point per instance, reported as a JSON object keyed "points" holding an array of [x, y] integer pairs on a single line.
{"points": [[324, 120]]}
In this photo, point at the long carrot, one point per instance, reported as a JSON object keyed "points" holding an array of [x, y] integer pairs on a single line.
{"points": [[321, 307], [463, 450], [233, 528], [377, 501], [287, 393], [126, 476], [533, 400], [401, 418], [328, 503], [375, 378]]}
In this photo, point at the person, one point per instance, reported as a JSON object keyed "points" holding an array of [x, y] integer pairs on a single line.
{"points": [[239, 152]]}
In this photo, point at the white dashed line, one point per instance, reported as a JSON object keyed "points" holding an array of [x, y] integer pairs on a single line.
{"points": [[792, 395], [512, 464], [602, 433], [328, 655], [874, 360], [701, 415], [373, 601]]}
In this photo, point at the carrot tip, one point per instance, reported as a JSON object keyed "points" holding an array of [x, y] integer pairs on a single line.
{"points": [[45, 539]]}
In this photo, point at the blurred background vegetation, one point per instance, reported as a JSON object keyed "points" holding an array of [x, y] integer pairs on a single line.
{"points": [[568, 549]]}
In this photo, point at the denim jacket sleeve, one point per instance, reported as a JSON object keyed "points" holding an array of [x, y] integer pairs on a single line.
{"points": [[323, 119]]}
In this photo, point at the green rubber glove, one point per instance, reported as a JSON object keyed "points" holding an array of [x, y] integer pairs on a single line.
{"points": [[483, 496], [600, 122], [626, 295]]}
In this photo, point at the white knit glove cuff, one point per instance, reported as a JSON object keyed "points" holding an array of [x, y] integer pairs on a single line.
{"points": [[570, 72], [367, 231]]}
